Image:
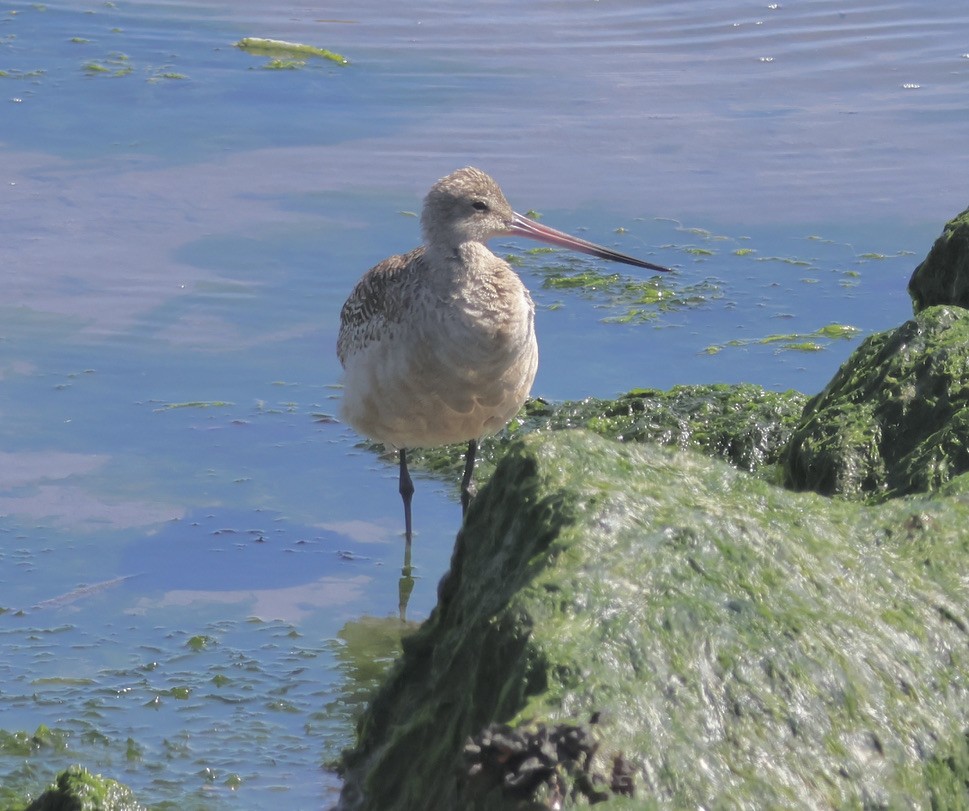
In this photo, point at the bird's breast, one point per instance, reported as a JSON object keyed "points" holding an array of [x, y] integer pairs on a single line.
{"points": [[458, 366]]}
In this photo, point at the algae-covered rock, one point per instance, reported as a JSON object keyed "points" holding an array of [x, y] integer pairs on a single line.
{"points": [[722, 643], [943, 276], [895, 418], [76, 789], [743, 424]]}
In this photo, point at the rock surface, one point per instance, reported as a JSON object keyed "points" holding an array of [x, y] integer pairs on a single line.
{"points": [[743, 424], [76, 789], [735, 644], [943, 277], [895, 418]]}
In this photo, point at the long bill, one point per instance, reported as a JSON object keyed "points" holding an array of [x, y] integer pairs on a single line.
{"points": [[524, 227]]}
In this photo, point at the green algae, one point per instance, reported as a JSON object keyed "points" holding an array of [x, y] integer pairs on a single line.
{"points": [[943, 276], [634, 300], [115, 64], [365, 650], [745, 425], [60, 681], [590, 280], [284, 64], [787, 260], [76, 789], [840, 331], [118, 65], [795, 341], [800, 649], [199, 642], [699, 232], [894, 419], [282, 50], [22, 744]]}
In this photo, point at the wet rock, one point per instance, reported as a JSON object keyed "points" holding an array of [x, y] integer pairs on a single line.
{"points": [[943, 276], [538, 766], [895, 418], [739, 645], [76, 789], [745, 425]]}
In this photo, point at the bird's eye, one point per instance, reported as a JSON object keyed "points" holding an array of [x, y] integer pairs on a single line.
{"points": [[479, 205]]}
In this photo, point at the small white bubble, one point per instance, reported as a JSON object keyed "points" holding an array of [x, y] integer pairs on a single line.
{"points": [[911, 86], [766, 59]]}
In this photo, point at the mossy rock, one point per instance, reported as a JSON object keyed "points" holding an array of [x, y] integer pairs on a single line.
{"points": [[76, 789], [743, 424], [943, 276], [726, 643], [895, 418]]}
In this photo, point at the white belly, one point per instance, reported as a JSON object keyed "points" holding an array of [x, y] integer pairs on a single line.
{"points": [[443, 376]]}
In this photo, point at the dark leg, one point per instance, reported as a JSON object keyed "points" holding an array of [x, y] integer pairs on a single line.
{"points": [[468, 490], [406, 492], [406, 584]]}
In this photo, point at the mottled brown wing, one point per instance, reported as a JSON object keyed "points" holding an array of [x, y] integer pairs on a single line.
{"points": [[375, 302]]}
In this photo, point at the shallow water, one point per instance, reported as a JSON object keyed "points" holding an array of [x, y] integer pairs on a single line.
{"points": [[201, 567]]}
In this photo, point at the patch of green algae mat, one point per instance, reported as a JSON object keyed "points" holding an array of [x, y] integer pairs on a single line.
{"points": [[744, 646]]}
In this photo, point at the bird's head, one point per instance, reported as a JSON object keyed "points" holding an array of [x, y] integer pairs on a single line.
{"points": [[465, 206]]}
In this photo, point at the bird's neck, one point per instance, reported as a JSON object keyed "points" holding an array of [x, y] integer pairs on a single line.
{"points": [[463, 261]]}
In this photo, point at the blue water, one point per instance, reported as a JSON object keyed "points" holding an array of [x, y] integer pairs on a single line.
{"points": [[200, 566]]}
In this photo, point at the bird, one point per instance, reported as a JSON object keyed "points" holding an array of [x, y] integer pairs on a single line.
{"points": [[438, 344]]}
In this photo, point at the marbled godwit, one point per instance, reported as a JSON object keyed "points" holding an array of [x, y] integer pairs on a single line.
{"points": [[438, 344]]}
